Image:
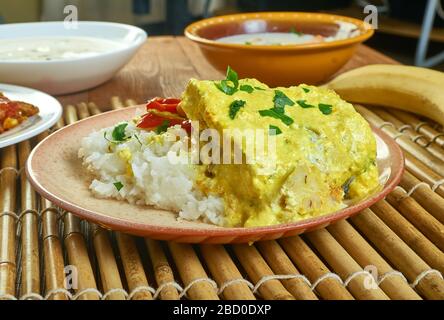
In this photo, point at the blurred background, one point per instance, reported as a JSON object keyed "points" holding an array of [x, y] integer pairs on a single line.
{"points": [[401, 22]]}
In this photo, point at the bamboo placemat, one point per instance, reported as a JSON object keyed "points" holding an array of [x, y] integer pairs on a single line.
{"points": [[394, 250]]}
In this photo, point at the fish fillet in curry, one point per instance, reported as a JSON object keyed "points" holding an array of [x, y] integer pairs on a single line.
{"points": [[325, 150]]}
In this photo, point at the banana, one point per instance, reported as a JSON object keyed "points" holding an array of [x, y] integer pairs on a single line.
{"points": [[413, 89]]}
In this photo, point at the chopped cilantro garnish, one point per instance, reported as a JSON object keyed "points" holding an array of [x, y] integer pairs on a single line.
{"points": [[248, 43], [137, 138], [259, 88], [118, 133], [304, 104], [118, 185], [281, 100], [163, 127], [224, 85], [232, 76], [325, 108], [273, 130], [104, 136], [235, 107], [277, 114], [306, 90], [246, 88], [225, 88], [346, 186]]}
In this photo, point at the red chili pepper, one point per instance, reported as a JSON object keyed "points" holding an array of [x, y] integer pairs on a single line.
{"points": [[186, 125], [151, 120], [163, 104]]}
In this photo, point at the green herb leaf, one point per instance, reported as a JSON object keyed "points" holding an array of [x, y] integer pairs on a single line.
{"points": [[118, 133], [118, 185], [235, 107], [163, 127], [232, 76], [325, 108], [273, 130], [246, 88], [346, 186], [248, 43], [277, 114], [104, 136], [137, 138], [304, 104], [259, 88], [306, 90], [281, 100], [225, 88], [293, 30]]}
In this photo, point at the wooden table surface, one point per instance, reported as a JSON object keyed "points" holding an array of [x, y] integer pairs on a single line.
{"points": [[163, 66]]}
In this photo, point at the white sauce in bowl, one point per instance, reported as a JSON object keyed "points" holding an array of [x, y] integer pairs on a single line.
{"points": [[54, 48], [346, 30]]}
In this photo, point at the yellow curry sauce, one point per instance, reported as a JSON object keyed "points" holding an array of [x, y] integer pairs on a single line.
{"points": [[326, 153]]}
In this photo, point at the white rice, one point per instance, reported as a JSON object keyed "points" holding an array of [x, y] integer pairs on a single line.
{"points": [[146, 175]]}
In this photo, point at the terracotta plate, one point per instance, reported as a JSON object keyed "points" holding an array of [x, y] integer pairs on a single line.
{"points": [[57, 174]]}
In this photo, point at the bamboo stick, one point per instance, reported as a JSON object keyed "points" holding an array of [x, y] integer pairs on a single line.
{"points": [[130, 103], [410, 235], [427, 198], [132, 265], [30, 257], [257, 268], [422, 172], [8, 223], [162, 270], [431, 147], [93, 109], [363, 253], [418, 152], [74, 242], [280, 263], [82, 110], [52, 248], [116, 103], [421, 127], [190, 269], [344, 265], [419, 217], [60, 123], [52, 251], [406, 129], [223, 270], [109, 272], [312, 267], [78, 257], [399, 254]]}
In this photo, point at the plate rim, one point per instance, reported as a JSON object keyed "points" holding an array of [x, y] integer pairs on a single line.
{"points": [[212, 235], [31, 132]]}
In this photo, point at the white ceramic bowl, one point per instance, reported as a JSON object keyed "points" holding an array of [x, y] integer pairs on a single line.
{"points": [[75, 74]]}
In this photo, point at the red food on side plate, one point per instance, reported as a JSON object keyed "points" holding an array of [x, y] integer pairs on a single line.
{"points": [[13, 113]]}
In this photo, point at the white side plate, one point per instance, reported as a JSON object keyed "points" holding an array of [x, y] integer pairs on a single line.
{"points": [[50, 112]]}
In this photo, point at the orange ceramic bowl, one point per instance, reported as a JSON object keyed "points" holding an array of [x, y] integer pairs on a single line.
{"points": [[278, 65]]}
